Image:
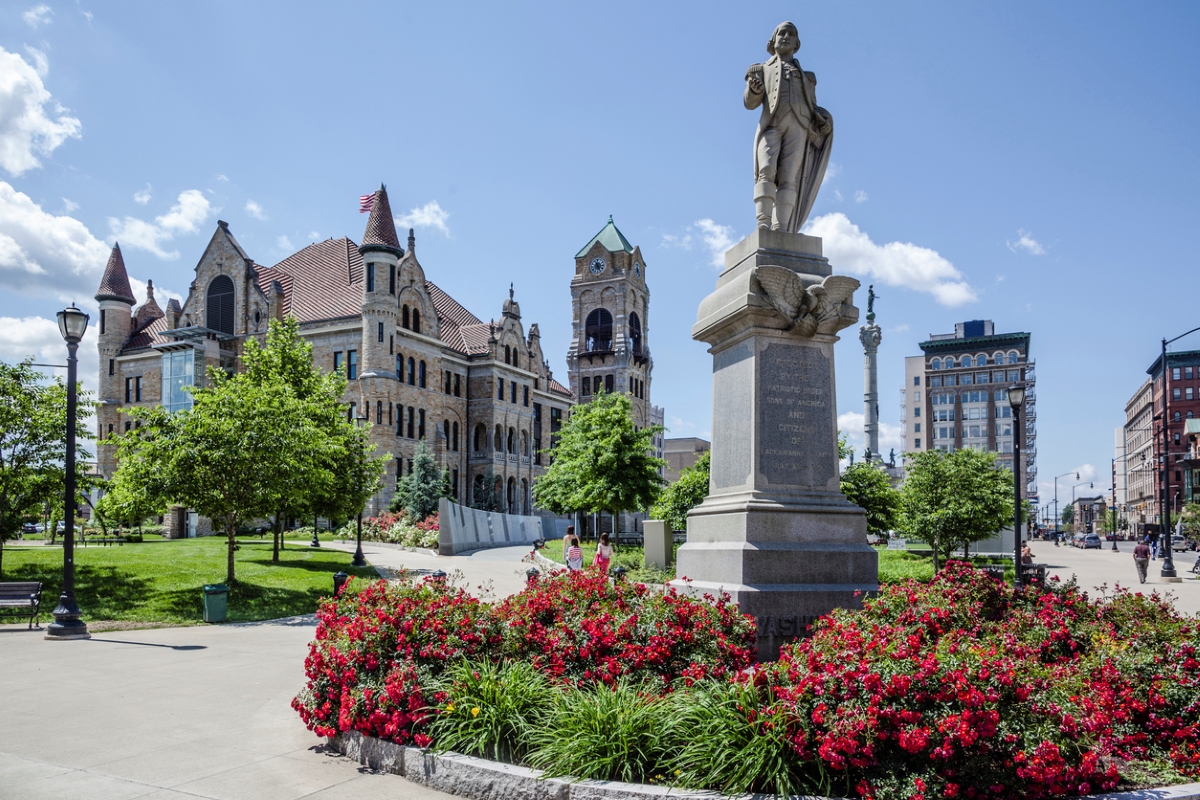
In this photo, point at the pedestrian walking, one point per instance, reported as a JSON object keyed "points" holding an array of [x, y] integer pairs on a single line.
{"points": [[603, 555], [574, 555], [1026, 554], [1141, 559], [567, 539], [1153, 549]]}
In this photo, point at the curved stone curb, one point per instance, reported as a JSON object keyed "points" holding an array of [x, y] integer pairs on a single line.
{"points": [[480, 779]]}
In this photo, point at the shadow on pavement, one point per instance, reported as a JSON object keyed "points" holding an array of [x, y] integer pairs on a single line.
{"points": [[152, 644]]}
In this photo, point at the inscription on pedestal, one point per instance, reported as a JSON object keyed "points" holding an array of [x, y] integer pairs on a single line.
{"points": [[795, 426]]}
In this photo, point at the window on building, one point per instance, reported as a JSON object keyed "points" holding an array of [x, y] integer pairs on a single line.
{"points": [[917, 442], [507, 355], [936, 380], [378, 412], [512, 441], [421, 423], [917, 427], [499, 388], [966, 380], [635, 333], [380, 332], [412, 371], [412, 423], [219, 305], [585, 386], [935, 364], [1012, 357], [446, 433], [1176, 438], [351, 364], [1175, 394], [421, 375], [1187, 373], [370, 277], [352, 411], [457, 385], [525, 393], [916, 397], [454, 437], [498, 440], [391, 344], [416, 321], [391, 278], [128, 425], [1187, 393], [102, 322], [178, 371], [399, 367], [446, 387], [917, 411], [390, 407], [1176, 417], [981, 377], [598, 331], [112, 366], [1175, 373], [916, 380], [966, 361], [480, 437], [404, 323], [337, 360], [512, 392], [608, 384]]}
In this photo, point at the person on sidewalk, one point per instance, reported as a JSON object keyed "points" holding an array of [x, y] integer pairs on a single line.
{"points": [[1141, 558], [574, 555], [1026, 554], [603, 554], [567, 539], [1153, 549]]}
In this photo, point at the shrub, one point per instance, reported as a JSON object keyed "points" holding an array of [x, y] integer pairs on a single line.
{"points": [[489, 709]]}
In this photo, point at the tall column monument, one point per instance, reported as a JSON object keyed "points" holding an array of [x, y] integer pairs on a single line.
{"points": [[871, 335], [775, 532]]}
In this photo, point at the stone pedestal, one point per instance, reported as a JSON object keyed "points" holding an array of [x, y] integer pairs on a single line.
{"points": [[775, 531]]}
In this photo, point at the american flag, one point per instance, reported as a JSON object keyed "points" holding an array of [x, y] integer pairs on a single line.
{"points": [[366, 203]]}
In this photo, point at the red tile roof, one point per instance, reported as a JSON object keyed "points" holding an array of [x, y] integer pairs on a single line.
{"points": [[381, 228], [321, 281], [115, 283], [147, 334], [558, 388]]}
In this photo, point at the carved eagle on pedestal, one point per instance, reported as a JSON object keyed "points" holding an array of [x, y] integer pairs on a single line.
{"points": [[824, 307]]}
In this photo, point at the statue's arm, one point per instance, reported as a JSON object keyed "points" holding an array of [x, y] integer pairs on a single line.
{"points": [[752, 97]]}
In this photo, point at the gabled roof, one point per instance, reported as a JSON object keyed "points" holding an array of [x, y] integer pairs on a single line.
{"points": [[147, 335], [381, 228], [609, 238], [558, 388], [321, 281], [115, 283]]}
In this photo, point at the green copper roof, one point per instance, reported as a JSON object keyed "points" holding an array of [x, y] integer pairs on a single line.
{"points": [[609, 238]]}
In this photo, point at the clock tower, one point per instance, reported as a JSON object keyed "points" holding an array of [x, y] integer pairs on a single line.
{"points": [[610, 304]]}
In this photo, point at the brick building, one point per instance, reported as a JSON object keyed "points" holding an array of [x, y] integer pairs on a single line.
{"points": [[420, 366]]}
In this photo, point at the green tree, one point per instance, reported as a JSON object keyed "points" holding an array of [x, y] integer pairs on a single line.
{"points": [[844, 448], [952, 500], [128, 500], [419, 491], [1191, 521], [680, 497], [353, 476], [32, 443], [1068, 515], [601, 463], [484, 494], [867, 486]]}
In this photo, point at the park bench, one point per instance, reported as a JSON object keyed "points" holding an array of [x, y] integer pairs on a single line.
{"points": [[21, 598], [629, 537], [104, 540]]}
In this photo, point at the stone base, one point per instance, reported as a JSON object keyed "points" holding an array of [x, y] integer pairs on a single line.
{"points": [[785, 565], [796, 251]]}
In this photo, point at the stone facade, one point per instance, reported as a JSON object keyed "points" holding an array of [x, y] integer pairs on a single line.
{"points": [[421, 366]]}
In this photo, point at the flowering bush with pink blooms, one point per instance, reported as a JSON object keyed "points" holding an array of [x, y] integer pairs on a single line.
{"points": [[958, 687]]}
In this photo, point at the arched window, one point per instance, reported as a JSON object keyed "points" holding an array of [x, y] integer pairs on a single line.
{"points": [[498, 443], [404, 318], [219, 307], [507, 355], [512, 441], [399, 367], [524, 443], [446, 432], [454, 440], [949, 363], [416, 320], [524, 496], [635, 333], [421, 375], [598, 331], [480, 437], [412, 371], [1189, 415], [1176, 419], [935, 364], [516, 361], [512, 494], [966, 361], [1012, 357], [477, 491]]}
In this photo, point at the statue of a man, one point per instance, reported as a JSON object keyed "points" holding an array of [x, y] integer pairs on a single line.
{"points": [[792, 143]]}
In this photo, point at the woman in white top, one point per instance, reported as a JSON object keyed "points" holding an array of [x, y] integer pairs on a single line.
{"points": [[603, 554]]}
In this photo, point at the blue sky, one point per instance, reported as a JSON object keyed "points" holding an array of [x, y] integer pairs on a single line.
{"points": [[1034, 164]]}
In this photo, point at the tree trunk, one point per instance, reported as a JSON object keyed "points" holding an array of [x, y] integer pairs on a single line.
{"points": [[1, 556], [936, 552], [231, 534], [276, 535]]}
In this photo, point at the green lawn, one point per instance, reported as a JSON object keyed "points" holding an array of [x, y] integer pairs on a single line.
{"points": [[632, 557], [161, 581]]}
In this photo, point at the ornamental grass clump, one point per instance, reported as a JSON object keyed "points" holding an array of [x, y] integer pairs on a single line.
{"points": [[490, 709]]}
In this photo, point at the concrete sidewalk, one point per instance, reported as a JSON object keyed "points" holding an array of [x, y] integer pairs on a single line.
{"points": [[487, 574], [197, 712], [1096, 568]]}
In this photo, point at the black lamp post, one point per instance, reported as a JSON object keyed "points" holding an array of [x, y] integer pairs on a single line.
{"points": [[1016, 398], [1168, 565], [72, 323], [359, 559]]}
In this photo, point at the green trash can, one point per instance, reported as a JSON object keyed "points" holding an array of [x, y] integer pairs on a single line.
{"points": [[215, 597]]}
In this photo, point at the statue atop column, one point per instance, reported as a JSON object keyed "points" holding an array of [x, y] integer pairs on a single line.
{"points": [[794, 136]]}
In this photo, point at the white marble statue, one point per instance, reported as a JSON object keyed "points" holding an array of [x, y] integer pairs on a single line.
{"points": [[792, 143]]}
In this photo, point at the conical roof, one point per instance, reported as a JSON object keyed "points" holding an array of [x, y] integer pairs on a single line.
{"points": [[115, 283], [609, 238], [149, 310], [381, 228]]}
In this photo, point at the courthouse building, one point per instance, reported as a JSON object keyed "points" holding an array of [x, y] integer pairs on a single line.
{"points": [[420, 365]]}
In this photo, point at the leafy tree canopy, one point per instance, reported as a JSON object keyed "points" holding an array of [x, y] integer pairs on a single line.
{"points": [[419, 491], [601, 463], [951, 500], [867, 486], [680, 497]]}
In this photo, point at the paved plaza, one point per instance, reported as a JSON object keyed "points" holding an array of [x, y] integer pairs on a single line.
{"points": [[194, 712], [1096, 568]]}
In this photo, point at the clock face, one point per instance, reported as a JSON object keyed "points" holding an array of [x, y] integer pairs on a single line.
{"points": [[637, 269], [597, 266]]}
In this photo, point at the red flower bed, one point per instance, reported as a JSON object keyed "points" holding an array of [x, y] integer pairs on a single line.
{"points": [[961, 688]]}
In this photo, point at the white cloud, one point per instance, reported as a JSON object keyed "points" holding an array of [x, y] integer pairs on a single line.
{"points": [[851, 423], [38, 15], [69, 205], [162, 294], [221, 177], [255, 210], [851, 250], [191, 209], [40, 62], [1027, 243], [38, 337], [40, 252], [87, 15], [314, 235], [831, 171], [838, 196], [285, 244], [143, 196], [901, 328], [715, 238], [861, 197], [26, 130], [430, 215]]}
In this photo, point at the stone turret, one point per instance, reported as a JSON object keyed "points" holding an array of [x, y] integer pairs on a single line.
{"points": [[381, 254], [116, 323]]}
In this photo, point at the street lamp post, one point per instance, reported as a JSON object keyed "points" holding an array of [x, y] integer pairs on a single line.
{"points": [[1114, 506], [72, 324], [359, 559], [1168, 565], [1016, 397], [1056, 516]]}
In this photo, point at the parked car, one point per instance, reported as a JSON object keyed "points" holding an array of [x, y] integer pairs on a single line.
{"points": [[1077, 539], [29, 527], [1181, 544], [1091, 541]]}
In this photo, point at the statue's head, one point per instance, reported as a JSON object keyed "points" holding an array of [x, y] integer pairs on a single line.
{"points": [[790, 41]]}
